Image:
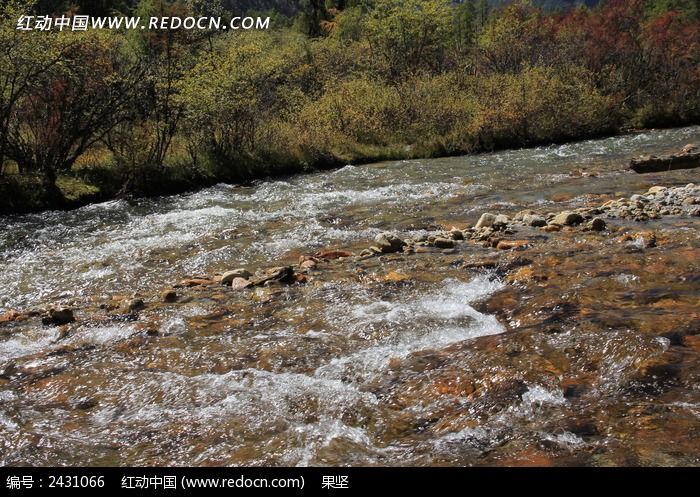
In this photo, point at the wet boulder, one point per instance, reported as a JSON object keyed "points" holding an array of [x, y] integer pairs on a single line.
{"points": [[58, 317], [240, 283], [501, 222], [444, 243], [534, 220], [284, 274], [168, 296], [389, 243], [596, 224], [567, 218], [485, 221], [229, 276]]}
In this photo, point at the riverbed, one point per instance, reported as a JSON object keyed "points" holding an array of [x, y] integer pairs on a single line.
{"points": [[444, 366]]}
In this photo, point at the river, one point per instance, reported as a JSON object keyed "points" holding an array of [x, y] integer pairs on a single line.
{"points": [[289, 378]]}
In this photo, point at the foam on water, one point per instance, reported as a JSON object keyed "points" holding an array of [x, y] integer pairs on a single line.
{"points": [[415, 322]]}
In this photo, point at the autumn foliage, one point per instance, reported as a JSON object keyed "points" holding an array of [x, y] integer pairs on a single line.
{"points": [[342, 82]]}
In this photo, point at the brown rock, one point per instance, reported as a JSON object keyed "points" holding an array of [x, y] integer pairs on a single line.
{"points": [[395, 277], [168, 296], [229, 276], [10, 316], [444, 243], [333, 254], [284, 274], [59, 317], [195, 282], [308, 264], [513, 244], [240, 283], [567, 218]]}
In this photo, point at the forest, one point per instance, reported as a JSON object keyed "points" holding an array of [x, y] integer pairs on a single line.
{"points": [[94, 115]]}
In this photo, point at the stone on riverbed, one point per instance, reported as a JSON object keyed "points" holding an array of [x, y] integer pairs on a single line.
{"points": [[501, 222], [596, 224], [513, 244], [229, 276], [485, 221], [58, 317], [168, 296], [308, 264], [456, 234], [240, 283], [534, 220], [135, 305], [444, 243], [283, 274], [334, 254], [10, 316], [389, 243], [567, 218]]}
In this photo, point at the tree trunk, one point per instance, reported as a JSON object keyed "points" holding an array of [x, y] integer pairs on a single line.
{"points": [[52, 192]]}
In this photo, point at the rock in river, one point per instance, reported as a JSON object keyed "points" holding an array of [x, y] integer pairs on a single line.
{"points": [[59, 317], [169, 296], [229, 276], [389, 243], [567, 218], [534, 220], [485, 221], [444, 243], [283, 274]]}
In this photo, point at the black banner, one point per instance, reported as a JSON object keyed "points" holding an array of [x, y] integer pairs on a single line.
{"points": [[327, 481]]}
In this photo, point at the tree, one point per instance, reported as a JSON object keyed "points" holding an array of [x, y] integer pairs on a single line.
{"points": [[465, 24], [409, 35], [141, 143], [71, 105], [23, 60]]}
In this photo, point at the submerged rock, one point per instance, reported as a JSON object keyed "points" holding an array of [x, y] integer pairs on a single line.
{"points": [[513, 244], [10, 316], [168, 296], [395, 277], [58, 317], [135, 305], [308, 264], [456, 234]]}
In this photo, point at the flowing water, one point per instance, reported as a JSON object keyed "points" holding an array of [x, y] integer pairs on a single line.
{"points": [[331, 374]]}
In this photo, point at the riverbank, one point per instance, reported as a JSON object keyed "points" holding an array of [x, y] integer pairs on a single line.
{"points": [[593, 358], [93, 184]]}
